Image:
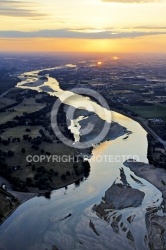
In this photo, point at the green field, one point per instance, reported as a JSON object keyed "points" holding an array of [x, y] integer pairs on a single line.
{"points": [[5, 102], [60, 166], [157, 111], [28, 105], [13, 132]]}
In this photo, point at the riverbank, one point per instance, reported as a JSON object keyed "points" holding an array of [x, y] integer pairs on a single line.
{"points": [[6, 182], [143, 123], [8, 204], [119, 196], [156, 176], [155, 221]]}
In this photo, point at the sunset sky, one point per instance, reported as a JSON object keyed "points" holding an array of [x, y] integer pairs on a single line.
{"points": [[83, 25]]}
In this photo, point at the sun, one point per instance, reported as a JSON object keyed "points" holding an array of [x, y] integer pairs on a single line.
{"points": [[99, 63]]}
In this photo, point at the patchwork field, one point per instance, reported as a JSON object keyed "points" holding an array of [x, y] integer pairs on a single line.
{"points": [[13, 132], [28, 105], [4, 102], [157, 111]]}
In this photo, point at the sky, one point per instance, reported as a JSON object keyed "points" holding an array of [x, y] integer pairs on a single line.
{"points": [[103, 26]]}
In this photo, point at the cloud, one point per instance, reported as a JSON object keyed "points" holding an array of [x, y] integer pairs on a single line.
{"points": [[128, 1], [150, 27], [20, 13], [19, 9], [68, 33]]}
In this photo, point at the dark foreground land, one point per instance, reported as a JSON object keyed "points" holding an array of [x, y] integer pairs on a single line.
{"points": [[25, 130]]}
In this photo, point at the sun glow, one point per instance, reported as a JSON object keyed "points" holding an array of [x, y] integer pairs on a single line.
{"points": [[114, 58]]}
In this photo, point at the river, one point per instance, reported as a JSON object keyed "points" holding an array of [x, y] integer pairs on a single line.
{"points": [[42, 223]]}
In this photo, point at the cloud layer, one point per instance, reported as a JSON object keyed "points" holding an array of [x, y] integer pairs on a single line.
{"points": [[19, 9], [67, 33]]}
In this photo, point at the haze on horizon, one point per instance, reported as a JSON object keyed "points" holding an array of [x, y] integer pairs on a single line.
{"points": [[113, 26]]}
